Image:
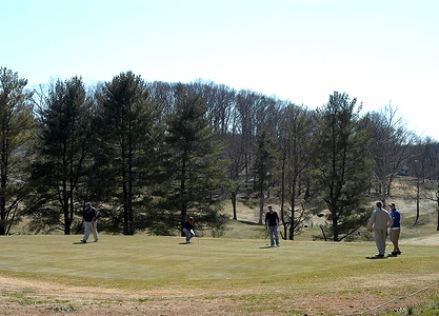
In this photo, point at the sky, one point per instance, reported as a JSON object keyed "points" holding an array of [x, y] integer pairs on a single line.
{"points": [[381, 52]]}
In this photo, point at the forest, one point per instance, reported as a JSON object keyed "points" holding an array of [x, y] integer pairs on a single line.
{"points": [[150, 154]]}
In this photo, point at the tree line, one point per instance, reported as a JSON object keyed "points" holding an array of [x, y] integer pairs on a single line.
{"points": [[152, 153]]}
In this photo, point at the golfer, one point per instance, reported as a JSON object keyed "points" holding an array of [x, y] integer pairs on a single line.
{"points": [[89, 219], [379, 221], [272, 223], [188, 229], [395, 229]]}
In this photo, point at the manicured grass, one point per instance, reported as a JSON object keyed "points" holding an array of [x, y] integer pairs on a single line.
{"points": [[245, 268]]}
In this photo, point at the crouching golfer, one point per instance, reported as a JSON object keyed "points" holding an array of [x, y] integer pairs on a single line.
{"points": [[188, 229], [89, 219]]}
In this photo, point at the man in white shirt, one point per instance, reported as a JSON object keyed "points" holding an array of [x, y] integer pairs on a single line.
{"points": [[380, 221]]}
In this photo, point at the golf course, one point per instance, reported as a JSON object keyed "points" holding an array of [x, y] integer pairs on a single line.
{"points": [[154, 275]]}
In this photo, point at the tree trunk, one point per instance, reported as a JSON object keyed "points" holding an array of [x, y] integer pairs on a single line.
{"points": [[233, 198], [261, 206], [2, 218], [417, 202], [335, 228]]}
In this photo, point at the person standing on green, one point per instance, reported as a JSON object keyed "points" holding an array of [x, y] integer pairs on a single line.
{"points": [[395, 229], [89, 219], [272, 223], [379, 221]]}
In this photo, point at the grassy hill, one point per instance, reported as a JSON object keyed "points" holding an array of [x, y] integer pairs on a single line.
{"points": [[404, 195]]}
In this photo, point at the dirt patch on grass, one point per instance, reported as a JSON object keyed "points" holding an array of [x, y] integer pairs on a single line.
{"points": [[25, 297], [424, 240]]}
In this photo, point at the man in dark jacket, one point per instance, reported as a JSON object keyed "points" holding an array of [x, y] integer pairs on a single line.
{"points": [[188, 229], [89, 219], [272, 222]]}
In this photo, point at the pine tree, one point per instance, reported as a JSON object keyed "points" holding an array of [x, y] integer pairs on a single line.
{"points": [[17, 128], [65, 141], [344, 166], [128, 148], [263, 167], [195, 161]]}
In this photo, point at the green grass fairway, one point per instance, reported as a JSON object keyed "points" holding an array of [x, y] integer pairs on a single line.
{"points": [[246, 273]]}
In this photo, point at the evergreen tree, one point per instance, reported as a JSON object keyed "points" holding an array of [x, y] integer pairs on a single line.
{"points": [[263, 167], [17, 128], [65, 141], [195, 162], [344, 169], [128, 148]]}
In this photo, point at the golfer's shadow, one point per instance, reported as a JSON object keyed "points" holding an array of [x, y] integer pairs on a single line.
{"points": [[266, 247], [79, 243], [376, 258]]}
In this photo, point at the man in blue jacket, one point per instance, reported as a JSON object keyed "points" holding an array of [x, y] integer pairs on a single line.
{"points": [[395, 229]]}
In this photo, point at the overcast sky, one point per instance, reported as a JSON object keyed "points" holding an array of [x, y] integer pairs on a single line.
{"points": [[378, 51]]}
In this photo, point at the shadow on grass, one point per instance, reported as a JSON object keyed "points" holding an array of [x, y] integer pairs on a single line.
{"points": [[249, 223], [376, 258]]}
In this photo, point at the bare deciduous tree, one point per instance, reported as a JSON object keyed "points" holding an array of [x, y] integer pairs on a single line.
{"points": [[391, 148], [297, 149]]}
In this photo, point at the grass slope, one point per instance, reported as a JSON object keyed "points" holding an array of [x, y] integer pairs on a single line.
{"points": [[302, 277]]}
